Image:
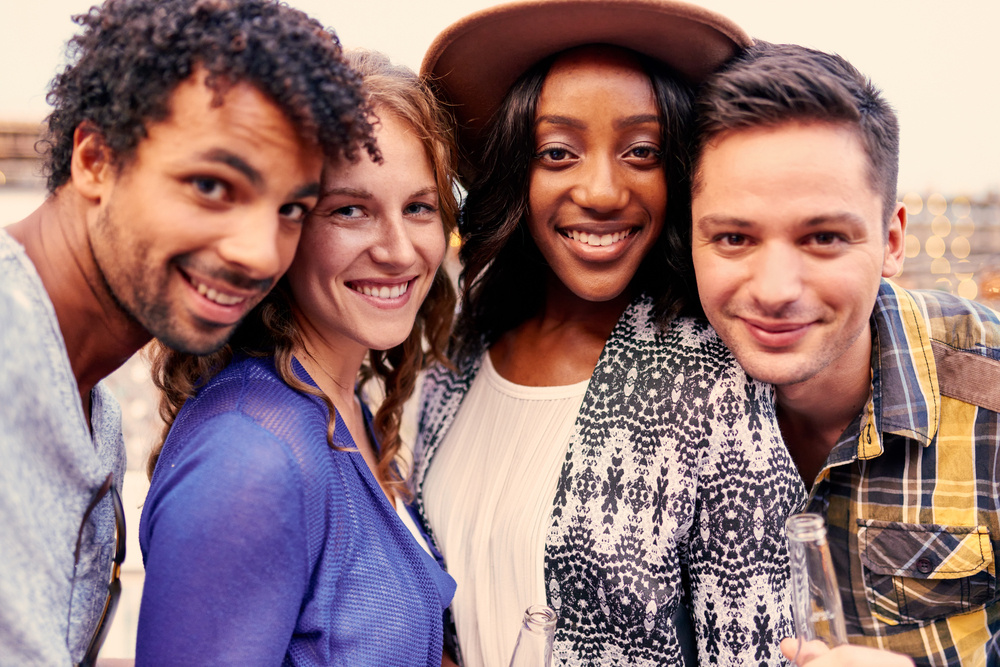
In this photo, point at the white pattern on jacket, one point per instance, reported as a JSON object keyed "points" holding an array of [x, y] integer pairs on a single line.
{"points": [[674, 491]]}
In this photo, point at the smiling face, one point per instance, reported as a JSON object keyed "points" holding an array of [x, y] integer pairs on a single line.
{"points": [[789, 249], [195, 228], [370, 250], [598, 193]]}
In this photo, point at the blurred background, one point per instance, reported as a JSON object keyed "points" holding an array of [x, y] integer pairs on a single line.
{"points": [[934, 61]]}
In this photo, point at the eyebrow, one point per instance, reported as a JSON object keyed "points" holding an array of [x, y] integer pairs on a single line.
{"points": [[560, 120], [628, 121], [236, 162], [432, 190], [638, 119], [306, 191], [817, 221], [348, 192]]}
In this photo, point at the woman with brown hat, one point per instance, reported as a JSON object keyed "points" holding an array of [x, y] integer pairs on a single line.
{"points": [[592, 449]]}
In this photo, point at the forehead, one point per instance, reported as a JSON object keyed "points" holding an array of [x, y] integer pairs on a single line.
{"points": [[577, 75], [797, 168], [240, 113], [405, 158]]}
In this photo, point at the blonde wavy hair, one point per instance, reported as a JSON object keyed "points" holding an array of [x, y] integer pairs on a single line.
{"points": [[271, 330]]}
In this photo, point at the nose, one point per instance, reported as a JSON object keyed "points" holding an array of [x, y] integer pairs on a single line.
{"points": [[602, 187], [261, 244], [393, 246], [775, 281]]}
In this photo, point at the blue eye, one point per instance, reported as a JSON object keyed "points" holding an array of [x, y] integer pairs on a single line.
{"points": [[419, 208]]}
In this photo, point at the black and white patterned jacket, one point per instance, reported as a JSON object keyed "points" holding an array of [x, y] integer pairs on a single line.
{"points": [[674, 491]]}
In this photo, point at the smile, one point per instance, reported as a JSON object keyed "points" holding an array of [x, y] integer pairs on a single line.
{"points": [[596, 239], [777, 335], [216, 296], [383, 291]]}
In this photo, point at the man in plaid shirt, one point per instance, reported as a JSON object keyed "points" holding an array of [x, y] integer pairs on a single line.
{"points": [[888, 399]]}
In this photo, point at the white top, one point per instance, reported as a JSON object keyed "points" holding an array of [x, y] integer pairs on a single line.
{"points": [[489, 496], [404, 516]]}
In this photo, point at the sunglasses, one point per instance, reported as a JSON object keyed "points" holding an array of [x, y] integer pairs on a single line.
{"points": [[115, 586]]}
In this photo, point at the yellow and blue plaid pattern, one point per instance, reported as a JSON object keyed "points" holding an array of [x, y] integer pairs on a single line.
{"points": [[911, 492]]}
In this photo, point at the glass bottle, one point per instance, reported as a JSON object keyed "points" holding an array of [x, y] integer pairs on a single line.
{"points": [[816, 607], [534, 641]]}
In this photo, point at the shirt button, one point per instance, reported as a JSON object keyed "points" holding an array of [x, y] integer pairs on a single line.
{"points": [[924, 565]]}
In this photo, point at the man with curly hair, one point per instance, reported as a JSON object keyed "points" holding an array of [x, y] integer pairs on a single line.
{"points": [[184, 150]]}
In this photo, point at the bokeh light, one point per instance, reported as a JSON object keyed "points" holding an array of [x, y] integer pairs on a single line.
{"points": [[940, 266], [960, 207], [911, 246], [965, 227], [934, 247], [914, 204], [960, 247], [967, 289], [937, 204], [941, 226]]}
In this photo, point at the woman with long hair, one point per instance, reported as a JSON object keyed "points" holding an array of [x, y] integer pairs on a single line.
{"points": [[590, 448], [276, 529]]}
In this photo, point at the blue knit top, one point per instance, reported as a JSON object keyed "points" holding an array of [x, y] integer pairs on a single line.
{"points": [[264, 546]]}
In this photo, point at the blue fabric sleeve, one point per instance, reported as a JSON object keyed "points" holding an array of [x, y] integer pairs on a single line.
{"points": [[224, 547]]}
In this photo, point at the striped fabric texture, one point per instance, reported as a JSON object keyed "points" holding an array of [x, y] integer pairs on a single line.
{"points": [[911, 492]]}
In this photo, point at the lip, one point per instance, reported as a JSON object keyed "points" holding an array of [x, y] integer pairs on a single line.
{"points": [[404, 286], [235, 302], [777, 335], [610, 251]]}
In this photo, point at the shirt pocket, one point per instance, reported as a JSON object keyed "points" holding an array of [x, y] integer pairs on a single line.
{"points": [[916, 573]]}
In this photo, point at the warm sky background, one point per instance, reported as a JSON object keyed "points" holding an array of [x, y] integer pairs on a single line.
{"points": [[935, 61]]}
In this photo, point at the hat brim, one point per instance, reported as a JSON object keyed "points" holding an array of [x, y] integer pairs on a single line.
{"points": [[474, 61]]}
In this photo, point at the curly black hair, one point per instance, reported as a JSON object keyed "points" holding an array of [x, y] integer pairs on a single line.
{"points": [[132, 54]]}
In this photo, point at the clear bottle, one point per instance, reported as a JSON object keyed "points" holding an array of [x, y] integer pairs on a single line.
{"points": [[816, 604], [534, 641]]}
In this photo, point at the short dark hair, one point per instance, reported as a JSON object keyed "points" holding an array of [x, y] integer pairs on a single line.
{"points": [[132, 54], [770, 84], [502, 265]]}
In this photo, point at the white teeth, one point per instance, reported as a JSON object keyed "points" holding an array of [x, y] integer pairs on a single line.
{"points": [[218, 297], [384, 292], [598, 239]]}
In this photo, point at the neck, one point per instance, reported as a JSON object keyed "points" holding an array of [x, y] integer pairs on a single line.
{"points": [[563, 309], [814, 414], [99, 335], [560, 345], [332, 362]]}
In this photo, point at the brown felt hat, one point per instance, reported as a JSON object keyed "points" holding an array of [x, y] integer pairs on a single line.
{"points": [[476, 60]]}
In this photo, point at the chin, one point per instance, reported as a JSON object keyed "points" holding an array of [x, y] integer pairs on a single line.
{"points": [[194, 343]]}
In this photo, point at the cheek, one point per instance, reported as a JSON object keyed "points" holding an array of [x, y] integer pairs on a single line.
{"points": [[431, 246]]}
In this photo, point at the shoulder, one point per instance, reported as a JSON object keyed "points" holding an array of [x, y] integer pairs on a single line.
{"points": [[963, 336], [688, 346], [246, 415]]}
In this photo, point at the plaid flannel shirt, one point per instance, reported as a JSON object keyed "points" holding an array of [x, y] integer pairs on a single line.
{"points": [[911, 492]]}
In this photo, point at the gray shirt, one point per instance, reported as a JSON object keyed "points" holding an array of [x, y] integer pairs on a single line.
{"points": [[50, 469]]}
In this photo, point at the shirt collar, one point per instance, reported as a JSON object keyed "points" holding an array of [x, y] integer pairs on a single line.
{"points": [[905, 398]]}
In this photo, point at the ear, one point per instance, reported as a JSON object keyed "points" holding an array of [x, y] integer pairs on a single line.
{"points": [[895, 243], [90, 166]]}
